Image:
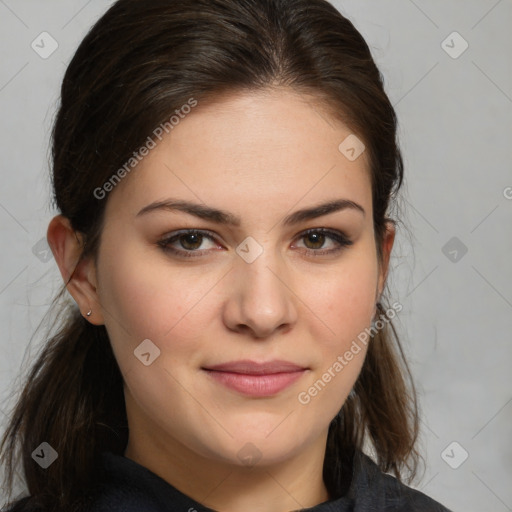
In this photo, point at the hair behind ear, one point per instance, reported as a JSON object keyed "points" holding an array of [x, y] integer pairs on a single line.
{"points": [[73, 400]]}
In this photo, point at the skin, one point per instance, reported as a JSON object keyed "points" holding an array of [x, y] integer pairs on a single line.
{"points": [[260, 156]]}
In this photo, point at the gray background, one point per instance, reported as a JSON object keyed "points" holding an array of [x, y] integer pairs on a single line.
{"points": [[455, 128]]}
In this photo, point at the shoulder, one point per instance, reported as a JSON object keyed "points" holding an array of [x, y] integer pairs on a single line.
{"points": [[372, 489], [129, 487], [122, 485], [23, 504]]}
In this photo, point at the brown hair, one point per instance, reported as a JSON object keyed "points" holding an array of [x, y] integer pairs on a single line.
{"points": [[137, 65]]}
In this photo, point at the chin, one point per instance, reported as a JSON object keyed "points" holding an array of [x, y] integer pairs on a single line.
{"points": [[260, 448]]}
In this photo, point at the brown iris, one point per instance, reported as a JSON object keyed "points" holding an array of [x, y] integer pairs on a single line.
{"points": [[317, 239]]}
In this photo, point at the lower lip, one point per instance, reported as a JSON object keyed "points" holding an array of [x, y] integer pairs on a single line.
{"points": [[256, 385]]}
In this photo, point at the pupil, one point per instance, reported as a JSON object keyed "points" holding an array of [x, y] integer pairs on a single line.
{"points": [[192, 237], [316, 238]]}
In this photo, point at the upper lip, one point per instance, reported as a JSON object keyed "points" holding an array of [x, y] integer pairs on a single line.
{"points": [[255, 368]]}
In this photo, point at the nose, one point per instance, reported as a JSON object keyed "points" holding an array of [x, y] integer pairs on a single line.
{"points": [[262, 301]]}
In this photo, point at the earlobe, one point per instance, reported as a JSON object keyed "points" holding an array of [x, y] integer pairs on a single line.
{"points": [[79, 275]]}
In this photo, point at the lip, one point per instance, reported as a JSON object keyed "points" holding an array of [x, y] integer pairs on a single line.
{"points": [[256, 379], [249, 367]]}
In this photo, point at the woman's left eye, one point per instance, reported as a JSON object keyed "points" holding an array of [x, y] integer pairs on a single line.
{"points": [[192, 239], [317, 236]]}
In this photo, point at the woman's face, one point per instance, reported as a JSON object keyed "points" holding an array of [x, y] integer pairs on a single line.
{"points": [[258, 289]]}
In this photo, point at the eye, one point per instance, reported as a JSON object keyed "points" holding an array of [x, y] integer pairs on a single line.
{"points": [[191, 240], [314, 239]]}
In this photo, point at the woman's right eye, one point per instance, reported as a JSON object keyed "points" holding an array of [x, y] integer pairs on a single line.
{"points": [[190, 241]]}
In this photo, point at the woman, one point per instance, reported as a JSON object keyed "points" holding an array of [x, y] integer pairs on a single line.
{"points": [[223, 171]]}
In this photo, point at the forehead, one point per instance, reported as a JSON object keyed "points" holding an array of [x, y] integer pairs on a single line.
{"points": [[268, 147]]}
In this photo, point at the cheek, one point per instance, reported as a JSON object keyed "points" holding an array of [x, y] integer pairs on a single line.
{"points": [[151, 301], [345, 302]]}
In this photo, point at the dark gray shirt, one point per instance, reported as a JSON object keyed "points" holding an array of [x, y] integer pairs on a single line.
{"points": [[129, 487]]}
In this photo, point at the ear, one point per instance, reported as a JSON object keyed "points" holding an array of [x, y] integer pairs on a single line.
{"points": [[387, 246], [80, 276]]}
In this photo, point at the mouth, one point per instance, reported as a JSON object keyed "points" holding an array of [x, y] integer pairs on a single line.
{"points": [[255, 379]]}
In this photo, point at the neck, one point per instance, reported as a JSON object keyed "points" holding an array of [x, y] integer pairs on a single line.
{"points": [[289, 485]]}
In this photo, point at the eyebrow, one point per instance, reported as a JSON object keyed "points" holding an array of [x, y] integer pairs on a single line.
{"points": [[223, 217]]}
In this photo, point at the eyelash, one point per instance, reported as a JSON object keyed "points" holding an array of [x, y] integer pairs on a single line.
{"points": [[337, 236]]}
